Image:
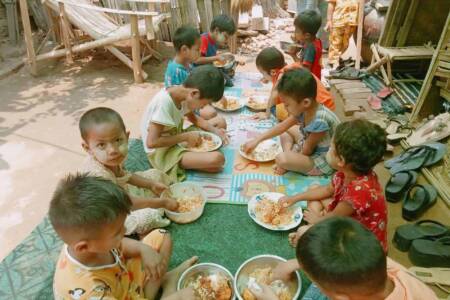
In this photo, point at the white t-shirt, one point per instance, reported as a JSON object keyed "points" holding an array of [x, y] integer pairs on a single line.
{"points": [[162, 110]]}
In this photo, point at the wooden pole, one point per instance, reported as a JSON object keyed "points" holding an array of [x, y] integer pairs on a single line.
{"points": [[65, 33], [28, 36], [359, 34], [123, 58], [136, 49]]}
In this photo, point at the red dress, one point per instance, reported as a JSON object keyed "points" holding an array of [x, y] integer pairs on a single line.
{"points": [[366, 197]]}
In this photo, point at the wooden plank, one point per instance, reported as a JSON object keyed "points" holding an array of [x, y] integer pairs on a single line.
{"points": [[377, 58], [404, 30], [136, 50], [445, 94], [28, 36], [352, 91], [65, 32], [346, 85], [444, 65], [359, 34], [356, 95], [338, 80]]}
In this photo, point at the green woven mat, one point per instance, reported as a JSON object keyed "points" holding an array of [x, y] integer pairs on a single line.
{"points": [[224, 235]]}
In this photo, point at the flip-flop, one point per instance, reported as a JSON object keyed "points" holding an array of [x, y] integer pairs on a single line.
{"points": [[398, 184], [418, 199], [397, 137], [432, 131], [426, 253], [426, 229], [434, 276], [385, 92], [413, 162], [400, 158], [374, 102], [439, 151]]}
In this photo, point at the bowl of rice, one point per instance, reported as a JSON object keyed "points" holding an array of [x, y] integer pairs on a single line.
{"points": [[191, 200]]}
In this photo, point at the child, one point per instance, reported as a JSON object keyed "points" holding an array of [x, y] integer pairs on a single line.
{"points": [[162, 124], [97, 262], [271, 64], [105, 139], [186, 41], [356, 148], [306, 133], [221, 29], [346, 261], [307, 24], [342, 20]]}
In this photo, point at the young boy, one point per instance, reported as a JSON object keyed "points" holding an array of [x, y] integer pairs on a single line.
{"points": [[307, 24], [222, 27], [105, 139], [186, 41], [96, 261], [342, 20], [162, 124], [356, 148], [306, 133], [346, 261], [271, 64]]}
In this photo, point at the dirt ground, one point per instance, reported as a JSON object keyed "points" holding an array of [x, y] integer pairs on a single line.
{"points": [[39, 139]]}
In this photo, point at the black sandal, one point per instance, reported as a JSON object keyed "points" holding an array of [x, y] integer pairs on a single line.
{"points": [[398, 184], [418, 199], [426, 229], [426, 253]]}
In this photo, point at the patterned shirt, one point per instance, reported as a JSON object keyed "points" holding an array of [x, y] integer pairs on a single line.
{"points": [[345, 13], [176, 74], [324, 121], [311, 56], [366, 197]]}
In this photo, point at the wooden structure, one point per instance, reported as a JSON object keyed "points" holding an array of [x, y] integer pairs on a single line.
{"points": [[100, 28]]}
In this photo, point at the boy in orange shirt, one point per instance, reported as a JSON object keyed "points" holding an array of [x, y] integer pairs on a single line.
{"points": [[272, 65]]}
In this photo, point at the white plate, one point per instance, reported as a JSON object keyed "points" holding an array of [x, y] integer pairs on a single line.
{"points": [[259, 99], [180, 189], [263, 146], [297, 215], [229, 110], [217, 140]]}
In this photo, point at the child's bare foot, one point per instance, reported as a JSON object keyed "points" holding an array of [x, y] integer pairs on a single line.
{"points": [[279, 170], [171, 278], [295, 236]]}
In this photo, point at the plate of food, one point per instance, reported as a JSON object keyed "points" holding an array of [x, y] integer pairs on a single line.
{"points": [[191, 200], [265, 210], [210, 142], [209, 281], [257, 102], [228, 104], [265, 151], [258, 270], [227, 63]]}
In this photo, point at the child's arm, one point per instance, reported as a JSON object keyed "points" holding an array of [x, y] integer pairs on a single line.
{"points": [[153, 202], [205, 125], [273, 132], [156, 140], [343, 209], [311, 142], [330, 12], [270, 103], [203, 60], [151, 260], [147, 183], [284, 270], [316, 194]]}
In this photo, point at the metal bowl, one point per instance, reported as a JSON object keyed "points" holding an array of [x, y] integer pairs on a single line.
{"points": [[288, 47], [230, 60], [263, 261], [205, 269]]}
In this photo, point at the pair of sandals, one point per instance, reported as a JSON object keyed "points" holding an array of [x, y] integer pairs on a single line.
{"points": [[427, 243]]}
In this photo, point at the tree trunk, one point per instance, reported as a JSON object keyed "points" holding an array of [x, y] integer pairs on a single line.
{"points": [[272, 9]]}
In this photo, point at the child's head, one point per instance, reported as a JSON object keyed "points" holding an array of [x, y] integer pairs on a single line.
{"points": [[358, 145], [222, 27], [88, 213], [206, 84], [297, 89], [186, 41], [268, 61], [104, 136], [343, 258], [307, 24]]}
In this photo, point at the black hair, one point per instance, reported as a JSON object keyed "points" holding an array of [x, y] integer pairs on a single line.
{"points": [[224, 23], [340, 252], [270, 58], [361, 143], [185, 36], [83, 202], [208, 80], [298, 84], [308, 21], [97, 116]]}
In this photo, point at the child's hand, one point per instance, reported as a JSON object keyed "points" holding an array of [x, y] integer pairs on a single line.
{"points": [[186, 294], [152, 262], [158, 188], [312, 217], [260, 116], [250, 146], [222, 133], [281, 272], [328, 27], [286, 201], [193, 138], [264, 293], [170, 204]]}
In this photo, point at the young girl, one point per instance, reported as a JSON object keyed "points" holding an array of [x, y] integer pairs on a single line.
{"points": [[306, 133], [162, 124], [357, 147], [105, 139]]}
